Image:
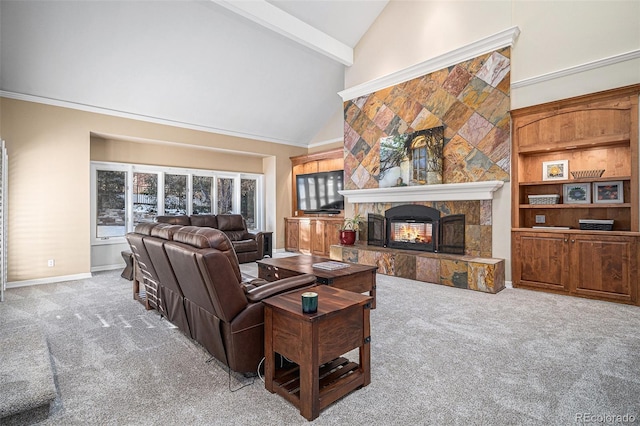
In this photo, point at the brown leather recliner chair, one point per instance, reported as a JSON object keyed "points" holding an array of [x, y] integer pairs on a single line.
{"points": [[225, 316], [170, 296], [248, 246], [144, 273], [174, 220]]}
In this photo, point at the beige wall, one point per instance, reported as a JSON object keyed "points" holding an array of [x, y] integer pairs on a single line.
{"points": [[49, 149], [122, 151], [554, 36], [49, 177]]}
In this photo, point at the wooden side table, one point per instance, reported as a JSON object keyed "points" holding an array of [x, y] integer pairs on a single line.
{"points": [[316, 343], [357, 278], [268, 243]]}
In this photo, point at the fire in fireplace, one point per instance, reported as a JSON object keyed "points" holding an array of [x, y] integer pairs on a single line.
{"points": [[413, 233], [417, 227]]}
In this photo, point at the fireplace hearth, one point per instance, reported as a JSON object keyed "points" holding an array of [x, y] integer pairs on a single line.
{"points": [[416, 227]]}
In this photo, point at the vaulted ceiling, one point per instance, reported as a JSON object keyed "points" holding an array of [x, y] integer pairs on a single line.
{"points": [[263, 70]]}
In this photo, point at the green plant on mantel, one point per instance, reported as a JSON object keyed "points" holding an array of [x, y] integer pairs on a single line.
{"points": [[352, 223]]}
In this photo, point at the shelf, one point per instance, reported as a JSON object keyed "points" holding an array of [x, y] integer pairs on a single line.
{"points": [[579, 231], [586, 180], [549, 251], [593, 142], [466, 191], [576, 206]]}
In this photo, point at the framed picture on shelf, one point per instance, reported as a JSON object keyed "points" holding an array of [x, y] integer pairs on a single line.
{"points": [[555, 170], [577, 193], [608, 192]]}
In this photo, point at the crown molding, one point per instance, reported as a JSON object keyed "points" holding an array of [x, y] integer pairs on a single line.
{"points": [[325, 142], [494, 42], [466, 191], [599, 63], [140, 117], [125, 138], [275, 19]]}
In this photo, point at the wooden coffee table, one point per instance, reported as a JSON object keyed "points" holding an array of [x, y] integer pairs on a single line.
{"points": [[316, 343], [357, 278]]}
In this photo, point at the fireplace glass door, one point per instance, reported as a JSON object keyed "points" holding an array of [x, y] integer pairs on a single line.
{"points": [[412, 235], [411, 232]]}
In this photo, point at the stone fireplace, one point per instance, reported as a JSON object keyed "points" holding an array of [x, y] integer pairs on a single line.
{"points": [[463, 213], [469, 101], [417, 227], [473, 200]]}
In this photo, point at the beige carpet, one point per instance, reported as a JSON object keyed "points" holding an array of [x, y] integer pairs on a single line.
{"points": [[440, 356]]}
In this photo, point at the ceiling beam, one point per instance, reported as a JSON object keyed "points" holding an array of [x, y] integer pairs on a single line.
{"points": [[277, 20]]}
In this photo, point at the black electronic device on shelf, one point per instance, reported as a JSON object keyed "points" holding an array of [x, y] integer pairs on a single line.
{"points": [[318, 192]]}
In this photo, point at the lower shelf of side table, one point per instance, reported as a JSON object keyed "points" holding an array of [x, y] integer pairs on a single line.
{"points": [[336, 379], [140, 295]]}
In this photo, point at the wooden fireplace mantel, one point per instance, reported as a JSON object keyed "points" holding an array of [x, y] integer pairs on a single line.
{"points": [[466, 191]]}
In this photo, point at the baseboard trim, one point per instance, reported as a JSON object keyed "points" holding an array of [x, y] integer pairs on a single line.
{"points": [[49, 280], [508, 284], [107, 267]]}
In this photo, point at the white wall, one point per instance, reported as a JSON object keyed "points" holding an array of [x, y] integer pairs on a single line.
{"points": [[193, 63], [555, 36], [558, 36]]}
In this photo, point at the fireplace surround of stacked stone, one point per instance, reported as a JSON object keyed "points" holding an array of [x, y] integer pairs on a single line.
{"points": [[465, 226], [470, 101], [473, 268], [417, 227]]}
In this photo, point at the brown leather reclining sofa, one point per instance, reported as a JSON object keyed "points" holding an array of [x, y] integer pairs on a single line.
{"points": [[249, 246], [201, 290]]}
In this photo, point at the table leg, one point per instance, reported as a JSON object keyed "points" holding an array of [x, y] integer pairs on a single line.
{"points": [[309, 373], [365, 349], [269, 361], [372, 293]]}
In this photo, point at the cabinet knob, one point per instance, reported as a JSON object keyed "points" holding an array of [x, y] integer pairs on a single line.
{"points": [[573, 241], [565, 240]]}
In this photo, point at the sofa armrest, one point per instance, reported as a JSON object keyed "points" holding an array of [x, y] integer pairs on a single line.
{"points": [[259, 237], [249, 283], [280, 286]]}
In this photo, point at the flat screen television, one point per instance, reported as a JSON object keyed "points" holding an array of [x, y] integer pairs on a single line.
{"points": [[318, 192]]}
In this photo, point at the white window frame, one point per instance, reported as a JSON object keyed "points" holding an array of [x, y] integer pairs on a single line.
{"points": [[130, 169]]}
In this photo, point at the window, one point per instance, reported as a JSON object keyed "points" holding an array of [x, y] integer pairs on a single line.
{"points": [[145, 197], [201, 202], [125, 195], [175, 194], [248, 201], [110, 189], [225, 195]]}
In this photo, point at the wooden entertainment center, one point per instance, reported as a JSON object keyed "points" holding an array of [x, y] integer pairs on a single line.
{"points": [[551, 250], [313, 234]]}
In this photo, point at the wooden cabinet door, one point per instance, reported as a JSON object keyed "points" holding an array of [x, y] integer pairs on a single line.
{"points": [[304, 236], [291, 232], [541, 260], [604, 267], [332, 234], [318, 229]]}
